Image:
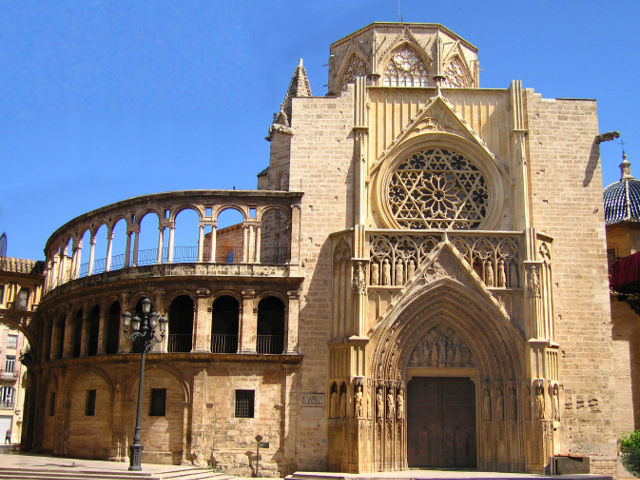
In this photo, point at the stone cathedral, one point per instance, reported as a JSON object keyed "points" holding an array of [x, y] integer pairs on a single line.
{"points": [[420, 280]]}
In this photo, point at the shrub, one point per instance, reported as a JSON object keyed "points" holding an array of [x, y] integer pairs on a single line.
{"points": [[630, 451]]}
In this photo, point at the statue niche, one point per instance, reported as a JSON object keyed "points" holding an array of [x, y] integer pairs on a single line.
{"points": [[441, 347]]}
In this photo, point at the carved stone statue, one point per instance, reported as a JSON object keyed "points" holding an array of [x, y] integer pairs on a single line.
{"points": [[386, 272], [400, 405], [442, 351], [451, 350], [391, 405], [489, 274], [343, 404], [486, 404], [555, 402], [399, 273], [357, 401], [411, 269], [375, 273], [333, 404], [499, 405], [539, 399], [502, 276], [379, 403]]}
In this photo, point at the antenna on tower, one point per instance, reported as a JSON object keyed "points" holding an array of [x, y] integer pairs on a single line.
{"points": [[399, 12]]}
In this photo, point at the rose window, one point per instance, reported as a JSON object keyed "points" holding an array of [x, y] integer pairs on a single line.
{"points": [[405, 69], [438, 188]]}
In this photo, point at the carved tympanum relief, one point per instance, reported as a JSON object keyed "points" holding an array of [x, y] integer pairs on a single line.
{"points": [[454, 74], [441, 347], [437, 188], [405, 69]]}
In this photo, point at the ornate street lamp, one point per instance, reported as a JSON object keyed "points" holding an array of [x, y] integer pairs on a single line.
{"points": [[143, 331]]}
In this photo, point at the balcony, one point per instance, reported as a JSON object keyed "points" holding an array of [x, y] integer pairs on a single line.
{"points": [[6, 404], [270, 344], [223, 343], [179, 342]]}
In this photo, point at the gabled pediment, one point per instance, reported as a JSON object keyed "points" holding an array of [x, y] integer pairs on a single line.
{"points": [[436, 116], [405, 37]]}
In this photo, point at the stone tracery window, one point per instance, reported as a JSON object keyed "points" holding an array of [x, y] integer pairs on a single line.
{"points": [[454, 75], [405, 69], [438, 188], [355, 68]]}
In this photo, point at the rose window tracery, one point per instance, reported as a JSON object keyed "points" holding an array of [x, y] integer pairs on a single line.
{"points": [[405, 69], [438, 188], [454, 75]]}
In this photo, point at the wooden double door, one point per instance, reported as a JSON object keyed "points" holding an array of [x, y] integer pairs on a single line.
{"points": [[441, 422]]}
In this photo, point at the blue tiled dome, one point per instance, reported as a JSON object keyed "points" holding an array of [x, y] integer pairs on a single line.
{"points": [[622, 199]]}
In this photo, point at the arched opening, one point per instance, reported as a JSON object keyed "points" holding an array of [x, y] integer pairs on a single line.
{"points": [[77, 334], [113, 329], [181, 324], [118, 246], [274, 238], [224, 328], [229, 236], [148, 239], [60, 337], [82, 260], [93, 323], [187, 224], [270, 326]]}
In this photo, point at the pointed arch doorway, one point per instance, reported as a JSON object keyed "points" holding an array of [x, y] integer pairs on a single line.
{"points": [[441, 422]]}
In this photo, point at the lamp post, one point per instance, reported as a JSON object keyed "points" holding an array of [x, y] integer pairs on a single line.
{"points": [[142, 330]]}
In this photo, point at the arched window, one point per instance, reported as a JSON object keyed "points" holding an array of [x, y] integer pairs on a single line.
{"points": [[60, 337], [77, 334], [355, 68], [113, 329], [230, 256], [437, 188], [405, 69], [181, 324], [270, 326], [454, 74], [94, 330], [224, 328]]}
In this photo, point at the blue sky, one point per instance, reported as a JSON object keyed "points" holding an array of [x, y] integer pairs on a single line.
{"points": [[106, 100]]}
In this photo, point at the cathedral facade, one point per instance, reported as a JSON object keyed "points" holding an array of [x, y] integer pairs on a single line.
{"points": [[420, 280]]}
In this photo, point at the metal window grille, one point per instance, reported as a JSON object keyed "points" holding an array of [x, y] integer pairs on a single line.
{"points": [[10, 364], [158, 402], [12, 341], [244, 403], [90, 404], [6, 397], [23, 298]]}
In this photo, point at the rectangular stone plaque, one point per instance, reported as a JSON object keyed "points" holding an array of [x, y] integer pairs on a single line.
{"points": [[312, 399]]}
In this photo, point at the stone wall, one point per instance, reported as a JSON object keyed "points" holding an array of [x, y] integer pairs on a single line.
{"points": [[566, 203]]}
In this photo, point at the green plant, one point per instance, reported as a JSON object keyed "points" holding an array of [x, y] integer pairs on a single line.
{"points": [[630, 451]]}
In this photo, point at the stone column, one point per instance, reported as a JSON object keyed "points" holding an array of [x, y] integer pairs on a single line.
{"points": [[203, 320], [127, 253], [107, 265], [258, 243], [84, 343], [293, 314], [248, 323], [136, 245], [92, 255], [172, 231], [245, 244], [212, 257], [124, 345], [200, 242], [160, 243], [102, 325]]}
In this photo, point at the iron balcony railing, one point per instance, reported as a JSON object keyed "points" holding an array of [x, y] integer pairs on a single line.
{"points": [[179, 342], [6, 403], [270, 344], [223, 343]]}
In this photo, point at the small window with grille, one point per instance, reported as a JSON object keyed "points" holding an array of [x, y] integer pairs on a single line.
{"points": [[244, 403], [90, 404], [158, 402]]}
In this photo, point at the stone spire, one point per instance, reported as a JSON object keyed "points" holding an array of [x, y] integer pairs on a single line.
{"points": [[625, 168], [298, 87]]}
